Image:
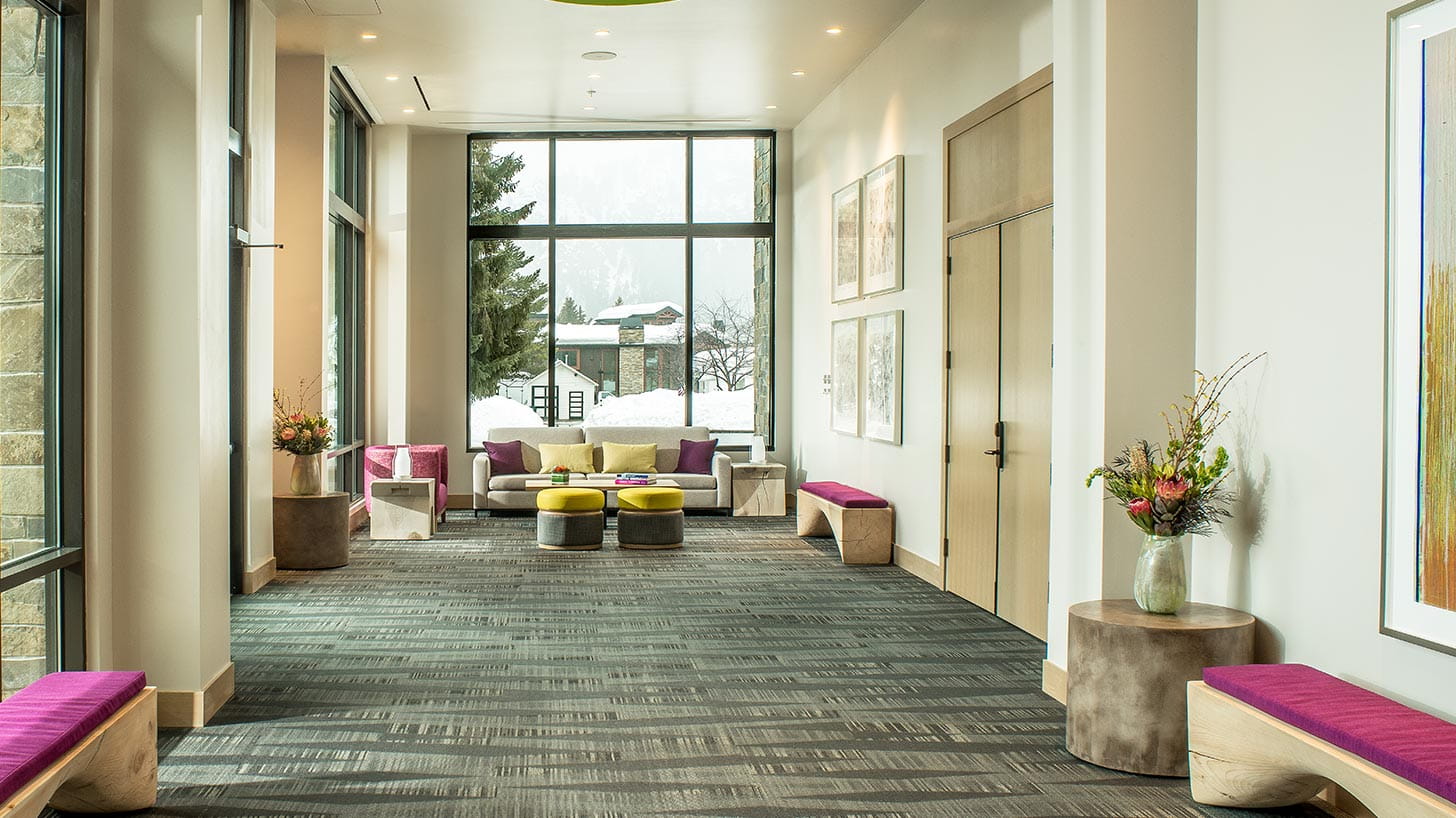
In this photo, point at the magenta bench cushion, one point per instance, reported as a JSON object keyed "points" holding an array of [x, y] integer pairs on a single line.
{"points": [[44, 721], [1415, 746], [844, 496]]}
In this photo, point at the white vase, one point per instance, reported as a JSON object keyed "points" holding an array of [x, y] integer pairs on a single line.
{"points": [[1160, 586], [402, 464]]}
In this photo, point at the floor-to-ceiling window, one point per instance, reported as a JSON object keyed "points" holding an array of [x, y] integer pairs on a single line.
{"points": [[42, 46], [343, 386], [621, 279]]}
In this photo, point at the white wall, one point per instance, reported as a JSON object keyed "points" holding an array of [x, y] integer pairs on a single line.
{"points": [[944, 60], [1291, 219]]}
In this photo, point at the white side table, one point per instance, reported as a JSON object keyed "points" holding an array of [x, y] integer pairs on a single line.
{"points": [[758, 489], [403, 509]]}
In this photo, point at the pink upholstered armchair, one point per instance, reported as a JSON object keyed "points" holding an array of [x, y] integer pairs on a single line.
{"points": [[425, 461]]}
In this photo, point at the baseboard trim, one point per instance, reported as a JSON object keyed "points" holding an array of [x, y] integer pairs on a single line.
{"points": [[920, 567], [195, 708], [1053, 681], [256, 579]]}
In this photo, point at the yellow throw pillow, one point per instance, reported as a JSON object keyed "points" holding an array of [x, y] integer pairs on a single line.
{"points": [[574, 456], [624, 457]]}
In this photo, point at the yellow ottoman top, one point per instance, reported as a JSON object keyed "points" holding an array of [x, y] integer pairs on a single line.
{"points": [[650, 498], [570, 500]]}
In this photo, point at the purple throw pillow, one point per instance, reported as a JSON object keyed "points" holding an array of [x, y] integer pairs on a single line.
{"points": [[696, 456], [505, 458]]}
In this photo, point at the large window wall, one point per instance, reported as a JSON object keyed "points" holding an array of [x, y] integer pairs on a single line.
{"points": [[41, 593], [343, 385], [622, 279]]}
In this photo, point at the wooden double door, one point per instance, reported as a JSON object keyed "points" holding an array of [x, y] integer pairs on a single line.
{"points": [[999, 356]]}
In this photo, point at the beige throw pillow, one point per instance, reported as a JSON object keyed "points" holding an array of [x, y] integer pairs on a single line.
{"points": [[629, 457], [574, 456]]}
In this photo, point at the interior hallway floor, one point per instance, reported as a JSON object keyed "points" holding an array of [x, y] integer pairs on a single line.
{"points": [[750, 674]]}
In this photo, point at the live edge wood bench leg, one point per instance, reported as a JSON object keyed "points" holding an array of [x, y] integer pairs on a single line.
{"points": [[114, 769], [865, 536], [1240, 756]]}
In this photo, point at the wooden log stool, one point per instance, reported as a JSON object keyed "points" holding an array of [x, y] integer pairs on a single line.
{"points": [[570, 519], [650, 517]]}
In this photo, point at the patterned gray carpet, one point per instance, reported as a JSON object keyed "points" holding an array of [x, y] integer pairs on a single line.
{"points": [[748, 675]]}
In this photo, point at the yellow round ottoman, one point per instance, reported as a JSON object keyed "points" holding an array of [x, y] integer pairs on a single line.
{"points": [[569, 519], [650, 517]]}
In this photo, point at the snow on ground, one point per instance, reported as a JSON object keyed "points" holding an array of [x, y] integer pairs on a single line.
{"points": [[497, 411]]}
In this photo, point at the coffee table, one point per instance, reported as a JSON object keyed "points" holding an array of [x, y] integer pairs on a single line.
{"points": [[598, 483]]}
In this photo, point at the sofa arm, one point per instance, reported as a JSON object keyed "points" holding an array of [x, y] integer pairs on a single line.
{"points": [[482, 481], [723, 471]]}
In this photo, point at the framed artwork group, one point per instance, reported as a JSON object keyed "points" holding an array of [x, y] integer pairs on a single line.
{"points": [[867, 258]]}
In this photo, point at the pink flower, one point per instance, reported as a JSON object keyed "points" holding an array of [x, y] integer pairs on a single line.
{"points": [[288, 433], [1172, 490], [295, 417], [1139, 506]]}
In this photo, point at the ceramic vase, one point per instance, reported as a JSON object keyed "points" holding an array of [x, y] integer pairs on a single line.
{"points": [[307, 477], [1161, 585]]}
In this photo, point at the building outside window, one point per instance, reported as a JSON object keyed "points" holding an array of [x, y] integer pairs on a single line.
{"points": [[343, 378], [641, 264], [41, 593]]}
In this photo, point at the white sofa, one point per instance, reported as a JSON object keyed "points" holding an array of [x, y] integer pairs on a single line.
{"points": [[508, 491]]}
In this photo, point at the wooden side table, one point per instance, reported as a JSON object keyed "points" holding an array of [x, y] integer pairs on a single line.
{"points": [[1127, 678], [311, 531], [404, 509], [758, 489]]}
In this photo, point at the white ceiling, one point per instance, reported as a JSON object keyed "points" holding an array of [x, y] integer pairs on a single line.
{"points": [[516, 64]]}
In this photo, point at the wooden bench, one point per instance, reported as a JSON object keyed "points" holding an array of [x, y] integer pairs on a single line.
{"points": [[1276, 735], [79, 742], [862, 524]]}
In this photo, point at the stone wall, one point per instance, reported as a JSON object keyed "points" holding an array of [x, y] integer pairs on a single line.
{"points": [[762, 291], [631, 360], [22, 335]]}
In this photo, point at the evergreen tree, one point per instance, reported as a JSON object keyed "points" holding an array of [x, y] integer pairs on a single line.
{"points": [[505, 301], [570, 312]]}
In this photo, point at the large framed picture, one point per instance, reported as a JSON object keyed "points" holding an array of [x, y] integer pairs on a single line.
{"points": [[844, 376], [884, 228], [844, 237], [882, 383], [1418, 594]]}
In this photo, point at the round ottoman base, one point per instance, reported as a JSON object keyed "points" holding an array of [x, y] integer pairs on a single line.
{"points": [[569, 530], [650, 530]]}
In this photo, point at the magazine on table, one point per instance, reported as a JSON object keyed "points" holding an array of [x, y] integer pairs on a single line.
{"points": [[635, 479]]}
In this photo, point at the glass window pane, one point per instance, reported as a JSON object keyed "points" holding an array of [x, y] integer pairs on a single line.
{"points": [[28, 633], [621, 181], [509, 181], [620, 317], [732, 307], [732, 178], [506, 355], [333, 375], [336, 151]]}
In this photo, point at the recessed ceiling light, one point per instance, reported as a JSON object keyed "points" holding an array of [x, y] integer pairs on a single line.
{"points": [[1414, 25], [407, 110], [834, 30], [368, 35], [588, 107], [602, 32], [798, 73], [593, 76], [599, 56], [393, 77], [770, 107]]}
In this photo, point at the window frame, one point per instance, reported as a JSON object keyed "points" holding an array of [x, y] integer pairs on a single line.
{"points": [[61, 563], [349, 231], [688, 230]]}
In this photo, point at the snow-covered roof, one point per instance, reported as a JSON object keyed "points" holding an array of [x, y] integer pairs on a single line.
{"points": [[584, 335], [570, 372], [622, 311]]}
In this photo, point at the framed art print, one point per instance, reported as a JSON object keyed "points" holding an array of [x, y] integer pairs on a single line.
{"points": [[884, 228], [882, 379], [844, 376], [847, 218]]}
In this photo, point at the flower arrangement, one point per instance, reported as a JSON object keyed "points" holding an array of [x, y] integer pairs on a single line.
{"points": [[297, 430], [1177, 490]]}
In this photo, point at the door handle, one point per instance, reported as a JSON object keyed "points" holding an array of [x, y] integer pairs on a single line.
{"points": [[1000, 451], [996, 452]]}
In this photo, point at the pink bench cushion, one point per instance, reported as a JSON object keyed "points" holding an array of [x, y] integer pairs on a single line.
{"points": [[44, 721], [1415, 746], [844, 496]]}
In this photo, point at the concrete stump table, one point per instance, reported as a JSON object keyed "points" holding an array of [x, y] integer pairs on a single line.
{"points": [[311, 532], [1127, 678]]}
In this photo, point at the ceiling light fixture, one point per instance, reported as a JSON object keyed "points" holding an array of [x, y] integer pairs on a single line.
{"points": [[588, 107], [612, 2], [392, 77], [599, 56], [798, 73], [770, 107], [368, 35], [602, 32], [1414, 25], [407, 110], [834, 30], [593, 76]]}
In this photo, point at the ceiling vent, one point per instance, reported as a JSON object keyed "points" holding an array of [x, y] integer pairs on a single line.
{"points": [[343, 8]]}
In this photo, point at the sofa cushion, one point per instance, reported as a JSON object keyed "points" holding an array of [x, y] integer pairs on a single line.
{"points": [[1415, 746], [696, 456], [575, 456], [844, 496], [664, 437], [505, 458], [629, 457], [532, 437], [511, 482], [44, 721]]}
